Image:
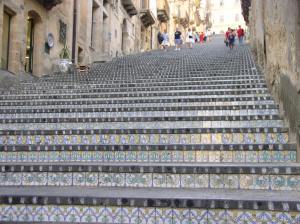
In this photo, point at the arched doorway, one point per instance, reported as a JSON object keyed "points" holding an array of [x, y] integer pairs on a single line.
{"points": [[125, 36], [34, 43]]}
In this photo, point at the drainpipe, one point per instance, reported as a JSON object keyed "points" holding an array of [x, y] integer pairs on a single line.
{"points": [[74, 39]]}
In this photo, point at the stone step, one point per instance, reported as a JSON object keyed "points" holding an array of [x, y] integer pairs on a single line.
{"points": [[119, 88], [142, 131], [89, 124], [265, 200], [272, 120], [102, 214], [250, 153], [150, 138], [98, 83], [276, 177], [141, 94], [95, 79], [139, 107], [212, 100]]}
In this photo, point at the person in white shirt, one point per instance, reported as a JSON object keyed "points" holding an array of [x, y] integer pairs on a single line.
{"points": [[190, 38], [209, 36]]}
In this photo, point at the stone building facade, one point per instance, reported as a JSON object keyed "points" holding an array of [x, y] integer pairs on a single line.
{"points": [[184, 15], [34, 32], [275, 40], [223, 14]]}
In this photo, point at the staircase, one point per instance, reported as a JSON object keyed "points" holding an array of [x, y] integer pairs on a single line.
{"points": [[173, 137]]}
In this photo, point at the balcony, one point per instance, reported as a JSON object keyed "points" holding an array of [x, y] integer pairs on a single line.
{"points": [[182, 19], [147, 16], [49, 4], [129, 7], [163, 10]]}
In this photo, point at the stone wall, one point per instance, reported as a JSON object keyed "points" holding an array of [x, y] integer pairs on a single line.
{"points": [[121, 35], [275, 39]]}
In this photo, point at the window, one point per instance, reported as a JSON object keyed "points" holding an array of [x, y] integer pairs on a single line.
{"points": [[116, 34], [221, 3]]}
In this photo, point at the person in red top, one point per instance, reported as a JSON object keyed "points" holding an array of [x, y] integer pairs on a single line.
{"points": [[240, 34], [201, 38], [226, 41]]}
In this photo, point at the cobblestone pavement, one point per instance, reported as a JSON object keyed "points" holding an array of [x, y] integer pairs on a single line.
{"points": [[190, 136]]}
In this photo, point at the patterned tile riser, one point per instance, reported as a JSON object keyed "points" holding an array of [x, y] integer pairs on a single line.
{"points": [[151, 156], [149, 180], [186, 113], [149, 139], [236, 103], [136, 215]]}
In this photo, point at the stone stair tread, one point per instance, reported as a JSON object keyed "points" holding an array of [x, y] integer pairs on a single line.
{"points": [[139, 125], [162, 164], [154, 193]]}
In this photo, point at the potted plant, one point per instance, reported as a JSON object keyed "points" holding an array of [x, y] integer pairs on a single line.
{"points": [[64, 62]]}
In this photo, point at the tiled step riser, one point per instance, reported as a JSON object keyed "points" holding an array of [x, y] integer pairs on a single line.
{"points": [[134, 83], [172, 156], [141, 107], [213, 93], [150, 180], [233, 101], [208, 114], [92, 89], [94, 124], [247, 121], [139, 215], [90, 79], [148, 139], [123, 131]]}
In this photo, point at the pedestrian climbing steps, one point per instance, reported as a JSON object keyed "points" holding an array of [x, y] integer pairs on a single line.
{"points": [[176, 137]]}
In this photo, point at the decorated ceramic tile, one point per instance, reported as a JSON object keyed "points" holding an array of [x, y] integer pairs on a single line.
{"points": [[265, 156], [239, 156], [216, 138], [214, 156], [159, 180], [238, 138], [166, 156], [206, 139], [227, 138], [202, 156], [252, 156], [164, 139], [261, 182], [202, 181], [144, 139], [185, 139], [189, 156], [187, 180], [216, 181], [271, 138], [154, 156], [226, 156], [196, 139], [178, 156], [174, 139], [231, 181]]}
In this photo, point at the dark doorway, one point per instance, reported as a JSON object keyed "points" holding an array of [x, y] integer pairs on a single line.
{"points": [[5, 40], [29, 45]]}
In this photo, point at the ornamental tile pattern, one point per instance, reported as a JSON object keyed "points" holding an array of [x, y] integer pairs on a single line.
{"points": [[149, 180], [137, 215]]}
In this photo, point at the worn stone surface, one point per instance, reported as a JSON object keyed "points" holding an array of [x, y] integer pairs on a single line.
{"points": [[275, 39]]}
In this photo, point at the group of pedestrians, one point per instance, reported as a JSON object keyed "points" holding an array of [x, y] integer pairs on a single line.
{"points": [[231, 34], [191, 38]]}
